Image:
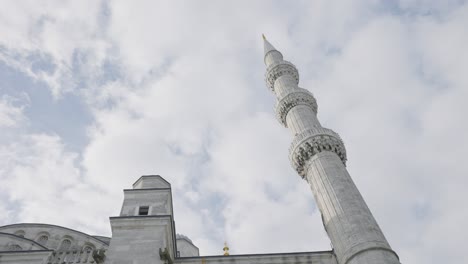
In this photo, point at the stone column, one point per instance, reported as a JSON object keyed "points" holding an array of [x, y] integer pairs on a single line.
{"points": [[319, 156]]}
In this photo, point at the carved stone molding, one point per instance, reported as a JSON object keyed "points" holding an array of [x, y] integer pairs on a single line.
{"points": [[311, 142], [99, 256], [278, 69], [300, 96], [165, 256]]}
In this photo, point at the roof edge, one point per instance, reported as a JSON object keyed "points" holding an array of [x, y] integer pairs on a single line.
{"points": [[191, 243], [51, 225], [262, 254], [155, 175]]}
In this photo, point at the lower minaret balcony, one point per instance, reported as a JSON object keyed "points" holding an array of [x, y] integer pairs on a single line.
{"points": [[313, 141]]}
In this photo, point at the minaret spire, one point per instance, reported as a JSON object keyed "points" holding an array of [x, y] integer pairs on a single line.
{"points": [[319, 157], [267, 47], [270, 53]]}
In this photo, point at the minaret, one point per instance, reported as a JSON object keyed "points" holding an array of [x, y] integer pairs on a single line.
{"points": [[319, 156]]}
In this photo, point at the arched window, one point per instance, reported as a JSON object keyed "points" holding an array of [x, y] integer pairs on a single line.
{"points": [[87, 248], [15, 247], [43, 240], [66, 243]]}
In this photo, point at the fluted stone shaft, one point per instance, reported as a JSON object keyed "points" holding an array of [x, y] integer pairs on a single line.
{"points": [[319, 156]]}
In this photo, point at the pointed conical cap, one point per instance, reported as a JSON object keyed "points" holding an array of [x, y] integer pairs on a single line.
{"points": [[267, 47], [271, 55]]}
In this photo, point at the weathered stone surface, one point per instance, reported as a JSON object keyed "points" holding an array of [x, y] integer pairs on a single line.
{"points": [[25, 257], [159, 201], [137, 239], [347, 219]]}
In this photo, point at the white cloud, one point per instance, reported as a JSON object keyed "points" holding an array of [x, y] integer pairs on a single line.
{"points": [[397, 91], [43, 182], [11, 111], [56, 34]]}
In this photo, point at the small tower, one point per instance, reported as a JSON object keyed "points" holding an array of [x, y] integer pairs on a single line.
{"points": [[145, 231], [319, 157]]}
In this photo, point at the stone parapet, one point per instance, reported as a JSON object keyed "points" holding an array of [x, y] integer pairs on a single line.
{"points": [[299, 96], [320, 257], [277, 69], [311, 142]]}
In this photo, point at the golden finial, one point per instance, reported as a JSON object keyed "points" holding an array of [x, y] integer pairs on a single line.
{"points": [[263, 35], [226, 249]]}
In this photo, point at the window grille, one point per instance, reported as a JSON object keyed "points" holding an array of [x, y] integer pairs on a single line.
{"points": [[43, 240]]}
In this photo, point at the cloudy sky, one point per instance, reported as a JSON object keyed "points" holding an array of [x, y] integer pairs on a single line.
{"points": [[94, 94]]}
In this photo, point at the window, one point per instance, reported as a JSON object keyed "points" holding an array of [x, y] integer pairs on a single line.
{"points": [[43, 240], [87, 249], [144, 210], [66, 243]]}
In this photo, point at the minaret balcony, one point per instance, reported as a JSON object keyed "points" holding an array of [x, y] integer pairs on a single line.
{"points": [[277, 69], [299, 96], [313, 141]]}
